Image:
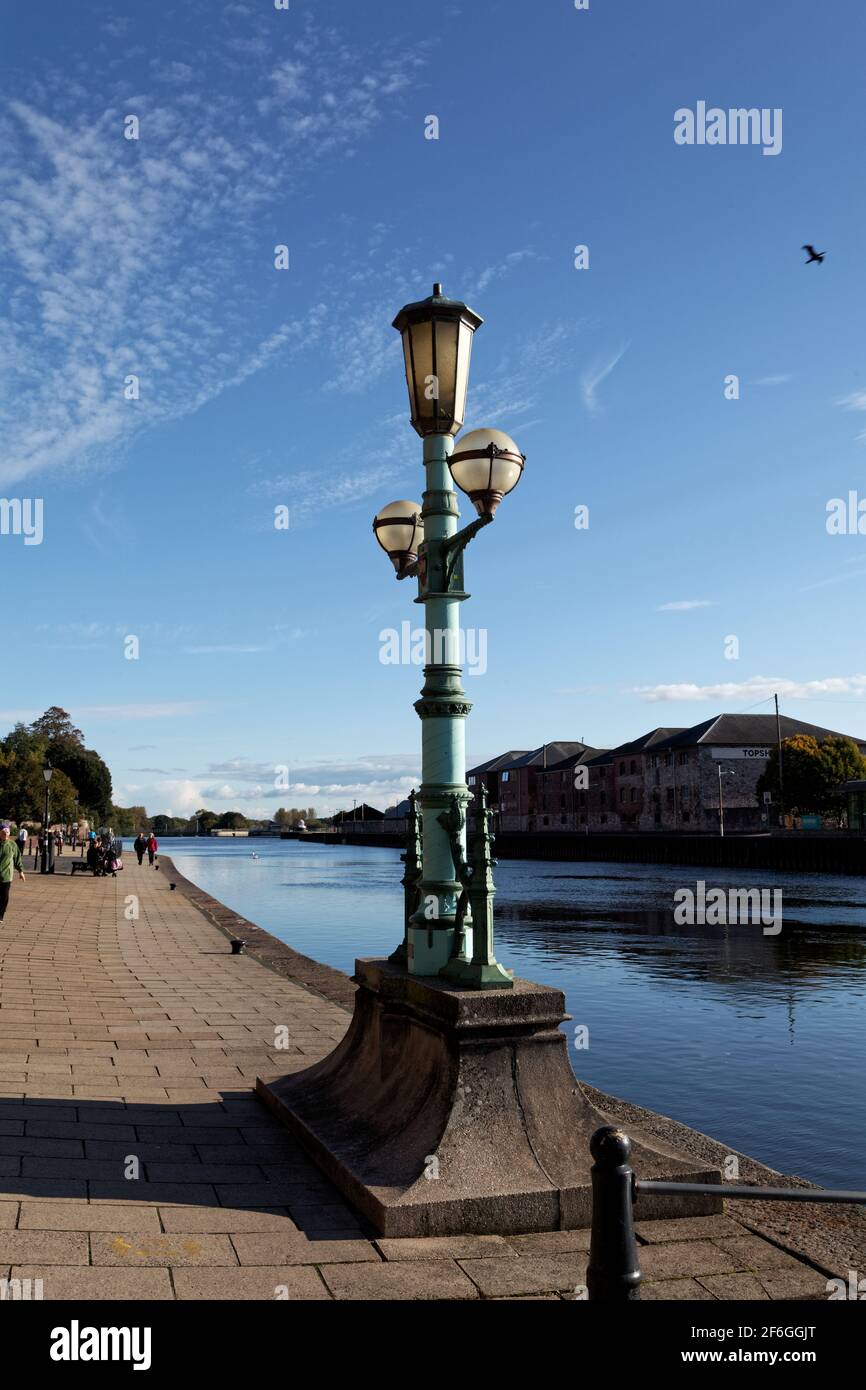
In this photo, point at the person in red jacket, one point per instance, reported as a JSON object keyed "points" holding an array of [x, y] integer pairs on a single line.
{"points": [[152, 847]]}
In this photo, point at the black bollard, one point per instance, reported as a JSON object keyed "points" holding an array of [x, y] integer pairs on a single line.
{"points": [[613, 1274], [237, 947]]}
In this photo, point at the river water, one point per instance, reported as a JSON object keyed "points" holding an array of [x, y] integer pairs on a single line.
{"points": [[758, 1040]]}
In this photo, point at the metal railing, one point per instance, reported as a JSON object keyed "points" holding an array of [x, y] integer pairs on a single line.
{"points": [[613, 1274]]}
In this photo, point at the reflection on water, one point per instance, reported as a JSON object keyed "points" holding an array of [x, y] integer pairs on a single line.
{"points": [[757, 1040]]}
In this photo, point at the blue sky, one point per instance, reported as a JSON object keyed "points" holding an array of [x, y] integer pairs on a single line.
{"points": [[260, 648]]}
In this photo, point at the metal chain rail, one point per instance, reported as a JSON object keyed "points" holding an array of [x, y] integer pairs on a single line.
{"points": [[613, 1274]]}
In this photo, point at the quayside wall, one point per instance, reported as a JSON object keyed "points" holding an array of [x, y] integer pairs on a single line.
{"points": [[797, 852]]}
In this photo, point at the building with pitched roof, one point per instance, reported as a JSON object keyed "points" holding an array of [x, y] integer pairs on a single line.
{"points": [[682, 772]]}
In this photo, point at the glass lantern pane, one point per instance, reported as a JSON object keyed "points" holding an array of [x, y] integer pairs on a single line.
{"points": [[464, 349], [446, 373], [422, 367], [410, 378]]}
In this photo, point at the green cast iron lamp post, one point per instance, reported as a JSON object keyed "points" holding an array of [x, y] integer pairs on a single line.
{"points": [[47, 861], [452, 890]]}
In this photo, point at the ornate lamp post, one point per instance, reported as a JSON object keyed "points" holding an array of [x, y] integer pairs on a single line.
{"points": [[451, 1069], [437, 341], [47, 855]]}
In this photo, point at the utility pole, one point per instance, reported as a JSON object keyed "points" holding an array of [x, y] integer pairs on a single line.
{"points": [[781, 779], [727, 773]]}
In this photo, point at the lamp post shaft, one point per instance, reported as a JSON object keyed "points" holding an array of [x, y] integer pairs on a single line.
{"points": [[46, 856], [443, 708]]}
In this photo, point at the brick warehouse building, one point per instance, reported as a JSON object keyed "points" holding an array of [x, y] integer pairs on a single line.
{"points": [[623, 789], [668, 779], [562, 791], [512, 782], [681, 773]]}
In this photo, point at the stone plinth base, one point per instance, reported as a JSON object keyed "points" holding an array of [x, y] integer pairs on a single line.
{"points": [[448, 1111]]}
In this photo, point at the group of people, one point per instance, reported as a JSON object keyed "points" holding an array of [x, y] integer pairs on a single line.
{"points": [[104, 853], [144, 843]]}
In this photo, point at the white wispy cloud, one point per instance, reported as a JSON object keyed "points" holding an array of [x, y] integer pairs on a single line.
{"points": [[170, 709], [594, 376], [121, 256], [855, 400], [841, 578], [778, 380], [478, 284], [685, 605], [756, 688]]}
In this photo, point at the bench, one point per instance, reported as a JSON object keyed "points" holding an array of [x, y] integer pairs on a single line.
{"points": [[79, 864]]}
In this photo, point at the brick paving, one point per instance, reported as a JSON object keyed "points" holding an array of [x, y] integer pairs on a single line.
{"points": [[135, 1162]]}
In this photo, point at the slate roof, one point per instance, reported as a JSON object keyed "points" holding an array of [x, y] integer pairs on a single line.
{"points": [[736, 729], [586, 756], [500, 763], [650, 740], [550, 753]]}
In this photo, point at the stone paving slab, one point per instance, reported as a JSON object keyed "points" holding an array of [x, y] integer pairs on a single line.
{"points": [[136, 1163]]}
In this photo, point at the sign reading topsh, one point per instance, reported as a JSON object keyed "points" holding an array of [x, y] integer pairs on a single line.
{"points": [[752, 754]]}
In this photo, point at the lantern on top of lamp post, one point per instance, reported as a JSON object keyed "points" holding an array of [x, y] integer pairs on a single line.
{"points": [[424, 542]]}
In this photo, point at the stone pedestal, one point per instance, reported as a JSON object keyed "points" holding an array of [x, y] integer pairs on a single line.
{"points": [[447, 1111]]}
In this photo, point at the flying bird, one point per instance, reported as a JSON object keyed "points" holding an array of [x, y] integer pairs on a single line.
{"points": [[813, 254]]}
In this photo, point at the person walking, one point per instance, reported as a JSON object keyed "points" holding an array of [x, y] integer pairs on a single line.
{"points": [[23, 838], [152, 847], [10, 860], [140, 845], [58, 842]]}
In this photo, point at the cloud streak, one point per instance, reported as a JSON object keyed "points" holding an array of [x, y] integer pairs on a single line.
{"points": [[593, 377], [756, 688], [685, 605]]}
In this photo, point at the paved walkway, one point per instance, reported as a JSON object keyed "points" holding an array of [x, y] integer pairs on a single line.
{"points": [[136, 1163]]}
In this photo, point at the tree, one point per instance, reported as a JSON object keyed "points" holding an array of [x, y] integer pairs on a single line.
{"points": [[801, 770], [841, 761], [56, 726], [206, 820], [291, 817], [232, 820], [168, 825], [813, 772], [87, 771], [129, 820]]}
